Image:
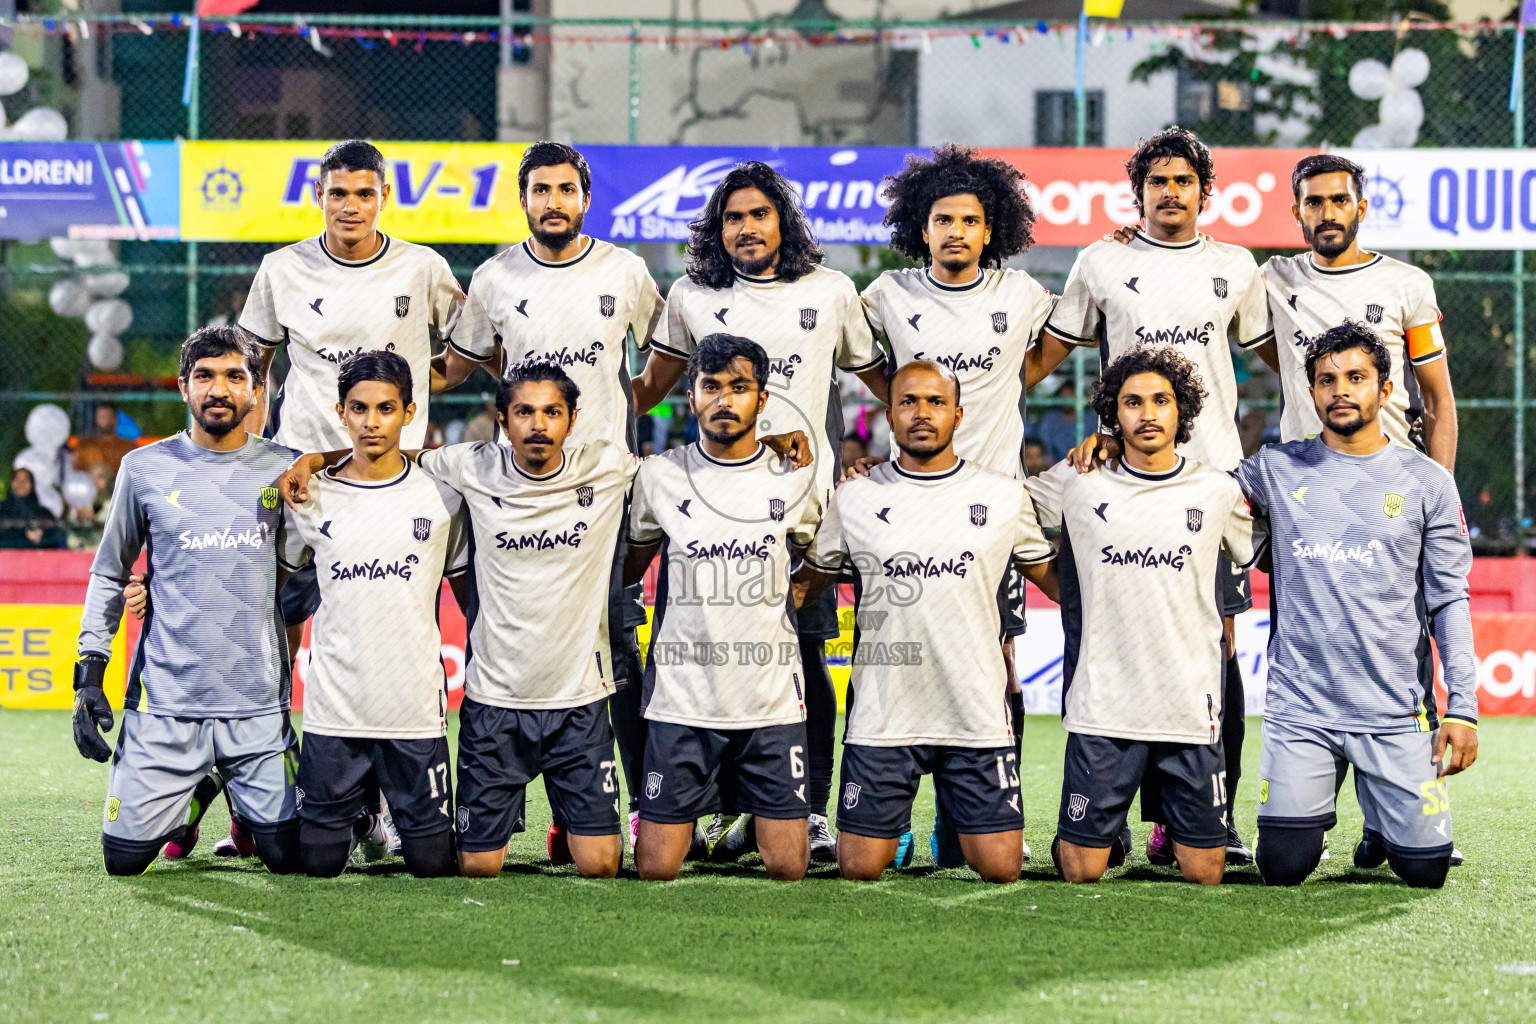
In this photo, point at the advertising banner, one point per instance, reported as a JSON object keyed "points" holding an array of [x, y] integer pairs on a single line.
{"points": [[89, 190], [265, 191], [37, 656], [1448, 198]]}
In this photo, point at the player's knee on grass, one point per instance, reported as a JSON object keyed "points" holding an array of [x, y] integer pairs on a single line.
{"points": [[1201, 866], [278, 849], [1420, 872], [323, 852], [429, 856], [1080, 865], [662, 848], [482, 863], [997, 857], [122, 862], [863, 858], [785, 848], [596, 856], [1286, 856]]}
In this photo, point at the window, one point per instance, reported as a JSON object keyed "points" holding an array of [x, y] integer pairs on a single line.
{"points": [[1056, 117]]}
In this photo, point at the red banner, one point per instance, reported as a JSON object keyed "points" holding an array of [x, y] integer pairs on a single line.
{"points": [[1080, 195]]}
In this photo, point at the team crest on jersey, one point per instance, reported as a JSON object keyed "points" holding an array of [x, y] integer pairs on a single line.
{"points": [[584, 496], [1077, 806], [402, 305], [1373, 313], [1392, 505], [653, 785], [605, 305], [807, 319], [978, 515], [851, 795], [1220, 284], [776, 509], [269, 497], [1000, 322], [1193, 519], [421, 529]]}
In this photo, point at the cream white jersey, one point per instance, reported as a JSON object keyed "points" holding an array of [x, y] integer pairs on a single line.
{"points": [[980, 331], [807, 326], [929, 552], [327, 309], [543, 558], [1395, 299], [1196, 296], [381, 550], [724, 653], [578, 314], [1138, 556]]}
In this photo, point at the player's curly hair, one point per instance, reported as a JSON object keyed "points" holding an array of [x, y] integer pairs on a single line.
{"points": [[1165, 361], [954, 170], [799, 252], [1343, 337], [1169, 143]]}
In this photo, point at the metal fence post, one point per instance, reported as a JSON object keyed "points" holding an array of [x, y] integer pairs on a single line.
{"points": [[634, 84], [1521, 356], [194, 110]]}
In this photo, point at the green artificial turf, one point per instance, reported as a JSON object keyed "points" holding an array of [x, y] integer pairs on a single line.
{"points": [[211, 940]]}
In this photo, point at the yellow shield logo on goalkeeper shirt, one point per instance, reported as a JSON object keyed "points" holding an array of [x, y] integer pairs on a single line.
{"points": [[113, 803], [1393, 505]]}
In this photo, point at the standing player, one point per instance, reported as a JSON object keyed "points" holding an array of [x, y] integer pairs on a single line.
{"points": [[1336, 280], [724, 694], [208, 688], [567, 298], [930, 537], [962, 216], [755, 270], [375, 695], [1139, 544], [349, 289], [1370, 558], [1172, 285]]}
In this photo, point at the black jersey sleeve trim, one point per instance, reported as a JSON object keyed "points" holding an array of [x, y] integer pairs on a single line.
{"points": [[1068, 336], [668, 349], [1428, 357], [1256, 342], [466, 353], [877, 361]]}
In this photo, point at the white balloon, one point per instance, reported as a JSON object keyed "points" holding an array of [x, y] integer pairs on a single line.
{"points": [[1370, 137], [47, 427], [69, 297], [93, 252], [105, 351], [1410, 68], [1401, 111], [63, 248], [79, 490], [109, 316], [107, 284], [1369, 79], [41, 124], [13, 73]]}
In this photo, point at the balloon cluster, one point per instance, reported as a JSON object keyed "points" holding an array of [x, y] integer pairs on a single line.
{"points": [[47, 430], [94, 295], [1402, 111], [40, 124]]}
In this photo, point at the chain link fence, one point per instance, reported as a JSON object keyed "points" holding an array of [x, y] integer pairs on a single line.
{"points": [[771, 82]]}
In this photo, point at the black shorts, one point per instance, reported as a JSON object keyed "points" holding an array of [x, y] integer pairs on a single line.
{"points": [[502, 750], [1233, 588], [691, 772], [977, 788], [300, 597], [817, 618], [1184, 781], [335, 785], [1010, 603]]}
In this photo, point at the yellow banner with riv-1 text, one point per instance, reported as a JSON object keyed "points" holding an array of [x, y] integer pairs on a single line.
{"points": [[264, 191], [37, 656]]}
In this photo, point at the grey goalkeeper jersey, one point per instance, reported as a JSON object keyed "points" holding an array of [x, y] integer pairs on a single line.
{"points": [[1370, 559], [212, 644]]}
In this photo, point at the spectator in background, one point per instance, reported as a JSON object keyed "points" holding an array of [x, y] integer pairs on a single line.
{"points": [[1250, 430], [1037, 459], [482, 425], [854, 449], [24, 523], [114, 437], [1058, 427], [231, 305]]}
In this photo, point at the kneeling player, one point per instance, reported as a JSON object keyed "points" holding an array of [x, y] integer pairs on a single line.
{"points": [[382, 534], [1370, 557], [209, 684], [930, 538], [723, 685], [1138, 550]]}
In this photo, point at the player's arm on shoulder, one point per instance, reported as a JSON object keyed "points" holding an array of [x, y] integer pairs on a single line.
{"points": [[1033, 555], [1073, 323], [824, 558], [667, 352], [293, 484], [793, 445], [859, 351]]}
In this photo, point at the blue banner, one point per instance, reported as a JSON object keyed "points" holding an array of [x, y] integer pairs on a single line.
{"points": [[124, 189], [650, 193]]}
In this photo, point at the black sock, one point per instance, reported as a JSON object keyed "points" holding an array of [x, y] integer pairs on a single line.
{"points": [[278, 850], [430, 856], [820, 722], [1233, 729], [629, 733], [1288, 855]]}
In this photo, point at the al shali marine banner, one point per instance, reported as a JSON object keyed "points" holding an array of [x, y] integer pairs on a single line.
{"points": [[265, 191]]}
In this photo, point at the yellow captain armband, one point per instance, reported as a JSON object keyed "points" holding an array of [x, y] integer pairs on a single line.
{"points": [[1459, 721]]}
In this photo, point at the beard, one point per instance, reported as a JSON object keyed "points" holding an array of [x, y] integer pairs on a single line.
{"points": [[955, 265], [221, 429], [726, 432], [558, 240], [757, 267], [1350, 427], [923, 445], [1331, 249]]}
